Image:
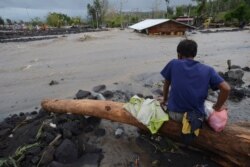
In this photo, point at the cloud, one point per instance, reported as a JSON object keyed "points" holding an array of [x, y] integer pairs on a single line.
{"points": [[27, 9]]}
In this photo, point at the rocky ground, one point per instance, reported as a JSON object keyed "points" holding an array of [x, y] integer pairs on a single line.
{"points": [[64, 140]]}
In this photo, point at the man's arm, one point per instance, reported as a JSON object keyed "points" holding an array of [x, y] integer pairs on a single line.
{"points": [[165, 92], [223, 95]]}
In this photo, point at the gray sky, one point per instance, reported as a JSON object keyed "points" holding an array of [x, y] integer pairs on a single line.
{"points": [[27, 9]]}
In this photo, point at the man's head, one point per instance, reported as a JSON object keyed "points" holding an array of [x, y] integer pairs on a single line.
{"points": [[187, 48]]}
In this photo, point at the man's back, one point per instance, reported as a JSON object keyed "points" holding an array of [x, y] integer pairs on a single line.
{"points": [[190, 81]]}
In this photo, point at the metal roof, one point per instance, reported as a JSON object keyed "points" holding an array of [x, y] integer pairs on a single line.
{"points": [[148, 23], [153, 22]]}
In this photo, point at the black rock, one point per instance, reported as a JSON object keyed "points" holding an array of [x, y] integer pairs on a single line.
{"points": [[67, 134], [157, 92], [35, 160], [140, 95], [75, 127], [88, 128], [81, 94], [94, 121], [47, 137], [235, 67], [237, 94], [33, 113], [100, 132], [66, 152], [246, 69], [4, 132], [92, 97], [99, 88], [48, 156], [88, 148], [108, 94], [53, 82], [34, 150], [21, 114], [149, 97]]}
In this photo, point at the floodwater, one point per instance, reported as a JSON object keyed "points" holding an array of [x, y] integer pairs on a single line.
{"points": [[82, 61]]}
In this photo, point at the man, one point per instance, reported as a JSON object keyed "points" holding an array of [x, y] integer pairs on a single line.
{"points": [[189, 81]]}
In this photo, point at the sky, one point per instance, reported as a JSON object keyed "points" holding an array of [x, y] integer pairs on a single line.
{"points": [[28, 9]]}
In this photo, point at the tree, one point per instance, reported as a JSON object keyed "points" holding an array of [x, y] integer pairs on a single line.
{"points": [[36, 21], [1, 21], [97, 11], [9, 21], [167, 7], [58, 19], [241, 13]]}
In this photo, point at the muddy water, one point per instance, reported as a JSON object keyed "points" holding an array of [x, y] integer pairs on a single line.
{"points": [[26, 69]]}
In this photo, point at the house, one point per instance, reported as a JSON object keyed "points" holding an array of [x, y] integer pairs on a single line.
{"points": [[161, 27]]}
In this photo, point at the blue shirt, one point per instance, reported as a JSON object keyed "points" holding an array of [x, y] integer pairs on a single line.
{"points": [[190, 81]]}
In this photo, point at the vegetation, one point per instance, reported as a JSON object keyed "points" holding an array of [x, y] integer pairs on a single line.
{"points": [[1, 21]]}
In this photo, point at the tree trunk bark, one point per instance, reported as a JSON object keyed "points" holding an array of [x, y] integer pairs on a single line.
{"points": [[230, 147]]}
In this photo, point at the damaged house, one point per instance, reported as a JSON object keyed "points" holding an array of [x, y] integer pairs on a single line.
{"points": [[161, 27]]}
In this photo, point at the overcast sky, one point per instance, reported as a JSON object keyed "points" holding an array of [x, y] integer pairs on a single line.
{"points": [[28, 9]]}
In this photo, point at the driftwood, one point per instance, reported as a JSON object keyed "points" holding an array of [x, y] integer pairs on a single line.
{"points": [[230, 147]]}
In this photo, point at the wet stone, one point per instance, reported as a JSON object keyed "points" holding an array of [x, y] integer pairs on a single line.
{"points": [[48, 156], [53, 82], [66, 152], [99, 88], [67, 133], [100, 132], [94, 121], [35, 160], [81, 94], [157, 92], [246, 69], [108, 94]]}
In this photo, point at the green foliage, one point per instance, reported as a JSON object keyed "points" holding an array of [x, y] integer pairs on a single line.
{"points": [[58, 19], [1, 21], [241, 13], [36, 21], [75, 20]]}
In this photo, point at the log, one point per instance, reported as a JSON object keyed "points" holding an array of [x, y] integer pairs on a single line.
{"points": [[230, 147]]}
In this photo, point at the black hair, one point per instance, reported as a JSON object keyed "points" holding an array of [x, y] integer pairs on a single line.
{"points": [[187, 48]]}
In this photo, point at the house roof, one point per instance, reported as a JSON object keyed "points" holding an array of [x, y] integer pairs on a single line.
{"points": [[153, 22], [147, 24]]}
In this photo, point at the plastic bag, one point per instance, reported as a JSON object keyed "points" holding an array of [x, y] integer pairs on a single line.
{"points": [[217, 120]]}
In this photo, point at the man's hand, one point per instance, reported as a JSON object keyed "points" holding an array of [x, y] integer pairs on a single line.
{"points": [[223, 95]]}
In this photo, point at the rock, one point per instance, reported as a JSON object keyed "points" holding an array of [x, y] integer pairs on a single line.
{"points": [[35, 159], [81, 94], [100, 132], [149, 97], [246, 69], [47, 137], [94, 121], [235, 74], [74, 127], [47, 156], [140, 95], [157, 92], [119, 132], [53, 82], [88, 148], [67, 134], [4, 132], [33, 113], [66, 152], [234, 67], [99, 88], [34, 150], [237, 94], [108, 94]]}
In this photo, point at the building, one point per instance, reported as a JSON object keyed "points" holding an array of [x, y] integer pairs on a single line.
{"points": [[161, 27], [185, 20]]}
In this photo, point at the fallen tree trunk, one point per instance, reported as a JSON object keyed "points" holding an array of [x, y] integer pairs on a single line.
{"points": [[232, 146]]}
